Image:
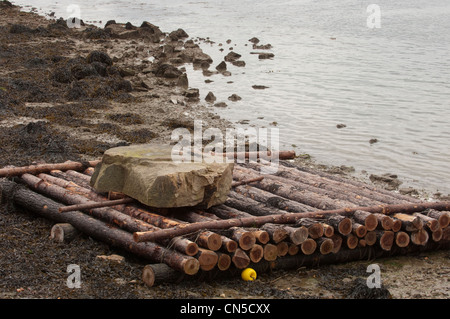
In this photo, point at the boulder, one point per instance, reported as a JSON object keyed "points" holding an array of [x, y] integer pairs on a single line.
{"points": [[148, 174]]}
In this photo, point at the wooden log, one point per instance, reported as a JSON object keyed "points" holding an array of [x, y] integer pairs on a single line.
{"points": [[41, 168], [89, 206], [248, 181], [245, 238], [446, 234], [282, 248], [287, 218], [359, 230], [315, 228], [268, 198], [293, 249], [71, 195], [409, 222], [419, 237], [325, 244], [280, 155], [341, 223], [351, 241], [256, 253], [224, 261], [229, 245], [365, 218], [437, 235], [155, 274], [442, 216], [402, 239], [207, 259], [270, 252], [429, 222], [96, 229], [396, 225], [288, 190], [370, 238], [240, 259], [63, 233], [297, 235], [328, 230], [277, 233], [337, 243], [385, 239], [384, 222], [308, 246], [261, 236]]}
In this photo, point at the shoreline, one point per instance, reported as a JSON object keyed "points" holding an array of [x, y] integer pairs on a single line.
{"points": [[70, 94]]}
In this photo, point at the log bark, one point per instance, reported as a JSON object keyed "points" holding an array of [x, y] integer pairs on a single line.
{"points": [[240, 259], [442, 216], [248, 181], [42, 168], [277, 233], [89, 206], [402, 239], [308, 246], [270, 252], [96, 229], [287, 218], [63, 233], [245, 238]]}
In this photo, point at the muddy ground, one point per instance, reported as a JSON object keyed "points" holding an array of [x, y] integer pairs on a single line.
{"points": [[70, 94]]}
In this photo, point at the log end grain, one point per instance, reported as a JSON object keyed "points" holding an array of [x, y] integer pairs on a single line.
{"points": [[308, 246], [351, 241], [270, 252], [240, 259], [256, 253], [282, 249], [299, 235], [224, 261], [402, 239], [63, 232], [326, 245], [370, 238]]}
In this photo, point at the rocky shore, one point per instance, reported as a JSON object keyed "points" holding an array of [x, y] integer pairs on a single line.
{"points": [[70, 94]]}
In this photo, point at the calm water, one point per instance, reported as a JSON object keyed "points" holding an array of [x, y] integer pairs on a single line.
{"points": [[390, 83]]}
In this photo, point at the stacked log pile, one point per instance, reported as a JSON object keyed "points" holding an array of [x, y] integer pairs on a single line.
{"points": [[291, 218]]}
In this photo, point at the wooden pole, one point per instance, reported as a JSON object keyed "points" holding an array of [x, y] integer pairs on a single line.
{"points": [[105, 203], [96, 229], [287, 218], [442, 216], [42, 168]]}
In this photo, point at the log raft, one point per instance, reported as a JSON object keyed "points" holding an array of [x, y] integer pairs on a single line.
{"points": [[281, 219]]}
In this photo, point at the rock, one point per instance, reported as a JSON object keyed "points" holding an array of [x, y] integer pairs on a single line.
{"points": [[341, 125], [167, 71], [373, 141], [234, 97], [178, 34], [221, 67], [183, 81], [408, 191], [80, 71], [262, 56], [259, 87], [210, 97], [232, 56], [110, 22], [149, 174], [220, 104], [254, 40], [262, 47], [238, 63], [99, 56], [389, 181]]}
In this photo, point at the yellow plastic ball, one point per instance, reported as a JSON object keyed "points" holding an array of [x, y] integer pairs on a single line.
{"points": [[248, 274]]}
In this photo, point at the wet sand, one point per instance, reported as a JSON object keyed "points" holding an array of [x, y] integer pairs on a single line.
{"points": [[70, 94]]}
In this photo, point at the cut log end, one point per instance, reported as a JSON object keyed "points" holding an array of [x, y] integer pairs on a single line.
{"points": [[299, 235], [419, 237], [191, 266], [256, 253], [270, 252], [351, 241], [386, 239], [63, 232], [308, 246], [262, 236], [224, 262], [402, 239], [247, 240], [371, 222], [207, 259], [359, 230], [282, 249], [326, 245], [396, 225], [214, 242], [370, 238], [240, 259]]}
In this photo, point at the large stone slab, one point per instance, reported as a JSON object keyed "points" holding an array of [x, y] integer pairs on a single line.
{"points": [[148, 174]]}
